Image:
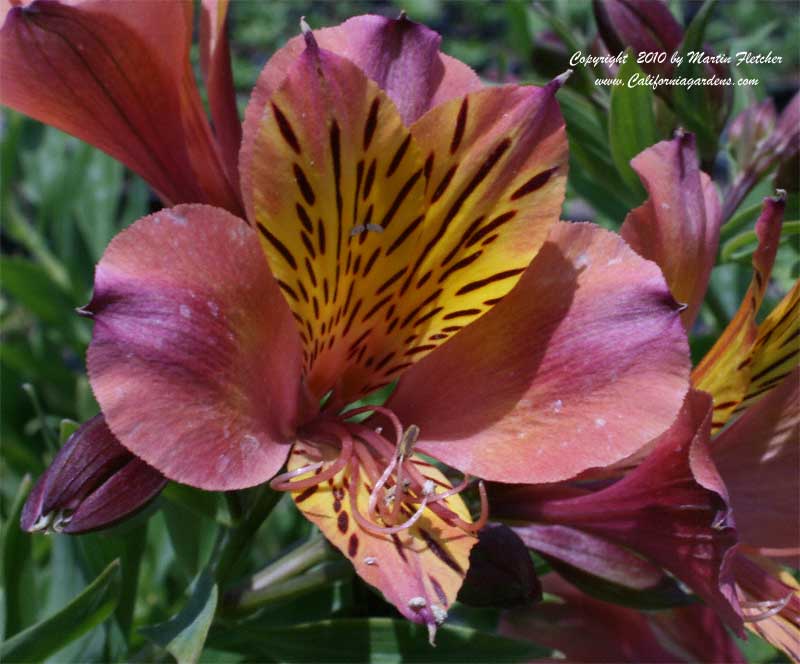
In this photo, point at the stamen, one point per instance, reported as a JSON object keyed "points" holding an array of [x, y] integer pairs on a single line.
{"points": [[373, 497], [284, 477], [281, 483], [458, 488], [388, 414], [482, 519], [771, 607], [366, 524]]}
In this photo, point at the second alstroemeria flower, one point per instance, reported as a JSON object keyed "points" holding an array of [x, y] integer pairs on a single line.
{"points": [[396, 203]]}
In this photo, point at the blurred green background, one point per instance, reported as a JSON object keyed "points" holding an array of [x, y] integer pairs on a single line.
{"points": [[61, 201]]}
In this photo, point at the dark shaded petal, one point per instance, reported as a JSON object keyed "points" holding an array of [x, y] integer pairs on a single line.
{"points": [[501, 572]]}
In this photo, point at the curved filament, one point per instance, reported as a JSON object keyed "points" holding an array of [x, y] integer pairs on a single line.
{"points": [[282, 483], [388, 414], [771, 607], [367, 525]]}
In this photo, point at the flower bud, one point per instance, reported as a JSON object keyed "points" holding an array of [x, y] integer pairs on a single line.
{"points": [[748, 130], [646, 26], [501, 572], [92, 483]]}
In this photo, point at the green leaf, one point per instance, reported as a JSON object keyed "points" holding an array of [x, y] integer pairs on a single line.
{"points": [[192, 536], [694, 106], [31, 285], [67, 428], [87, 610], [184, 635], [381, 640], [17, 576], [741, 247], [631, 123]]}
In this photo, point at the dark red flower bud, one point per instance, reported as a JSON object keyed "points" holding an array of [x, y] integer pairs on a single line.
{"points": [[92, 483], [646, 26], [501, 572]]}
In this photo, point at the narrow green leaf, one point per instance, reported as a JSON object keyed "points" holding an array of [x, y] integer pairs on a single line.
{"points": [[185, 634], [17, 576], [694, 105], [631, 123], [87, 610], [192, 536], [32, 287], [381, 640]]}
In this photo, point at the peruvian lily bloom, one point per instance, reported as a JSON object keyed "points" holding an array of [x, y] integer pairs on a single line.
{"points": [[700, 479], [401, 226]]}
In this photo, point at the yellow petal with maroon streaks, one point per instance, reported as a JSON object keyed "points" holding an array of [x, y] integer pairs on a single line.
{"points": [[495, 166], [337, 181], [428, 560], [725, 371], [777, 348]]}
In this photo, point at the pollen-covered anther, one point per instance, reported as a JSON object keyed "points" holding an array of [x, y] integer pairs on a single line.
{"points": [[417, 603]]}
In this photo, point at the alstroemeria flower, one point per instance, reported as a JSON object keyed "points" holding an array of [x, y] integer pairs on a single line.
{"points": [[118, 75], [402, 225], [684, 522]]}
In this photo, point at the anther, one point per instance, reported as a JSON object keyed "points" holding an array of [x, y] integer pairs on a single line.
{"points": [[417, 603]]}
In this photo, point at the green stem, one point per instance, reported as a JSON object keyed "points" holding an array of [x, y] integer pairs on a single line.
{"points": [[49, 438], [247, 599], [24, 233], [238, 538]]}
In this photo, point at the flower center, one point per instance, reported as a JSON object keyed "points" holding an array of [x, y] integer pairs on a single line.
{"points": [[399, 493]]}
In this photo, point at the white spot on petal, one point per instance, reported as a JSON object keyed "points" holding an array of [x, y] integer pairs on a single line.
{"points": [[582, 261], [185, 311], [417, 603], [599, 422], [557, 405]]}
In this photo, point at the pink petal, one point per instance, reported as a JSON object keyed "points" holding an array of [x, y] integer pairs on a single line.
{"points": [[758, 456], [681, 212], [672, 509], [591, 554], [401, 56], [117, 75], [696, 633], [579, 366], [215, 60], [195, 360], [586, 629]]}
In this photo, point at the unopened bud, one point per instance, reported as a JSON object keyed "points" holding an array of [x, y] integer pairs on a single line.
{"points": [[93, 483]]}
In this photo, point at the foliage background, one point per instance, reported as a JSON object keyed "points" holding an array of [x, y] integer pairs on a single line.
{"points": [[61, 201]]}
